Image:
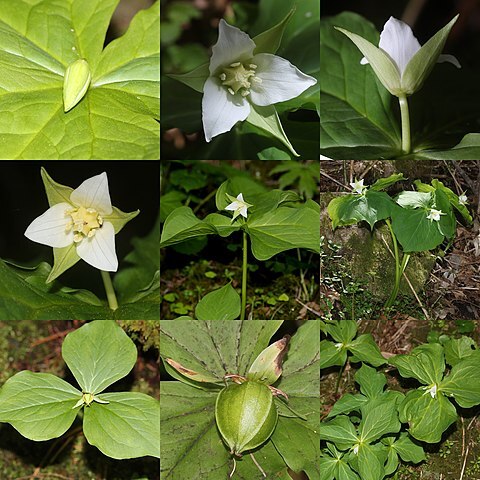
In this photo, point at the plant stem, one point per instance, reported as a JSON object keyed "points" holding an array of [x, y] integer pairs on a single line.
{"points": [[398, 273], [244, 276], [404, 113], [111, 297]]}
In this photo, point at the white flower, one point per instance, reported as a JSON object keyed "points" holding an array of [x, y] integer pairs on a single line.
{"points": [[355, 449], [435, 215], [81, 222], [432, 390], [398, 41], [358, 187], [239, 206], [462, 199], [239, 78]]}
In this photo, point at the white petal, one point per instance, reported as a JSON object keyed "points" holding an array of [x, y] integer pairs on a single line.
{"points": [[243, 211], [280, 80], [232, 206], [93, 193], [99, 250], [232, 45], [220, 110], [445, 57], [398, 41], [240, 197], [50, 228]]}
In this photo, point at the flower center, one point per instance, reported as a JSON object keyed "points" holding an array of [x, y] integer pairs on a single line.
{"points": [[85, 222], [87, 399], [238, 78]]}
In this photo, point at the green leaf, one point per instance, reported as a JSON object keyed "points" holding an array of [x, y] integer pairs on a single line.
{"points": [[427, 417], [467, 149], [284, 229], [408, 450], [379, 417], [357, 119], [339, 430], [366, 350], [181, 225], [38, 405], [456, 349], [127, 427], [331, 355], [426, 363], [372, 383], [384, 183], [414, 231], [98, 354], [342, 331], [221, 304], [370, 461], [123, 96], [462, 382], [352, 208]]}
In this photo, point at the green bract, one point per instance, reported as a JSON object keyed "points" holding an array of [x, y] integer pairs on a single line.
{"points": [[246, 415], [121, 425]]}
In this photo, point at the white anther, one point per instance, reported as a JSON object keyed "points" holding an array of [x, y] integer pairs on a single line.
{"points": [[223, 77], [257, 80], [231, 91], [253, 66], [236, 64]]}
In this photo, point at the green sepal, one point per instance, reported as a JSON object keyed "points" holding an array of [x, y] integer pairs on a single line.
{"points": [[381, 63], [119, 219], [422, 63], [195, 79], [266, 118], [267, 367], [269, 40], [191, 374], [63, 259], [56, 193]]}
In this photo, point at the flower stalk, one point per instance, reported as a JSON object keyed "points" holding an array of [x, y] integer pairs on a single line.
{"points": [[109, 290], [405, 116], [244, 276]]}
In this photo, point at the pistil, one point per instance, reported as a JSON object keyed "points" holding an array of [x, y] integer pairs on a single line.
{"points": [[84, 222], [238, 77]]}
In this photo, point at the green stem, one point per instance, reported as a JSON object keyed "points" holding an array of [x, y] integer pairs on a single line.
{"points": [[406, 144], [111, 297], [244, 276], [398, 273]]}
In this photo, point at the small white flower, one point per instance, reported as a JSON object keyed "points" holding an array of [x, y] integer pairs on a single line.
{"points": [[462, 199], [239, 78], [432, 390], [82, 222], [358, 187], [355, 449], [435, 215], [239, 206], [397, 39], [338, 346]]}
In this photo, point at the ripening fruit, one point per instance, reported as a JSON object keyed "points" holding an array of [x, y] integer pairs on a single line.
{"points": [[246, 415], [76, 82]]}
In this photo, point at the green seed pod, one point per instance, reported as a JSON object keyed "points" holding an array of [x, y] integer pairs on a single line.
{"points": [[246, 415], [76, 82]]}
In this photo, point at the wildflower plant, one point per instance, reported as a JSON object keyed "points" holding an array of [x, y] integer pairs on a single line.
{"points": [[42, 406], [273, 221], [367, 435], [246, 79], [81, 224], [208, 357], [418, 221], [367, 78]]}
